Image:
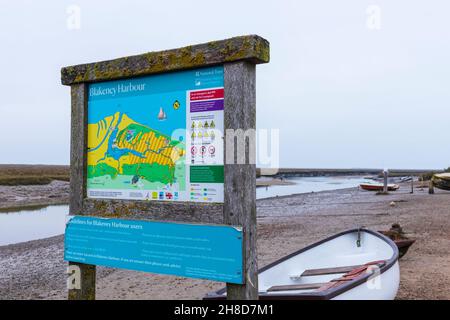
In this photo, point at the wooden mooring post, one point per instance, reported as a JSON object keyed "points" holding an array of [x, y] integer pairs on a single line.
{"points": [[431, 187], [385, 181]]}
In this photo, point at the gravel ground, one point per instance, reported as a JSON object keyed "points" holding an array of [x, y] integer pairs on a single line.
{"points": [[35, 270]]}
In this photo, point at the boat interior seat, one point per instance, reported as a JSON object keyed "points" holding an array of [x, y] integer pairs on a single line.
{"points": [[350, 273], [325, 271], [335, 270], [293, 287]]}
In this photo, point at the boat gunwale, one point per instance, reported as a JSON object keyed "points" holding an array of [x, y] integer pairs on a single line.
{"points": [[379, 186], [326, 294]]}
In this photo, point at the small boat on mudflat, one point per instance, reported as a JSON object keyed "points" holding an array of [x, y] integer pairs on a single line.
{"points": [[441, 181], [358, 264], [396, 234], [378, 186]]}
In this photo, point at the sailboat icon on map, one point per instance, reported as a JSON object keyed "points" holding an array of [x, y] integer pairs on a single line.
{"points": [[162, 115]]}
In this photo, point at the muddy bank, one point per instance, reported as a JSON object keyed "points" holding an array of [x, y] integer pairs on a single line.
{"points": [[33, 196], [35, 270], [267, 182]]}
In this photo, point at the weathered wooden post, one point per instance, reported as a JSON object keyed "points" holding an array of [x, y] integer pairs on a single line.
{"points": [[129, 161], [431, 187], [78, 141], [240, 170], [385, 181]]}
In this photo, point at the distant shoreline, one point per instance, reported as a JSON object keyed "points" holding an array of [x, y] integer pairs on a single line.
{"points": [[31, 206], [25, 175], [315, 172], [36, 186], [62, 172], [273, 182]]}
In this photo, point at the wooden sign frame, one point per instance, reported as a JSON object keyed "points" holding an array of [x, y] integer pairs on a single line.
{"points": [[239, 57]]}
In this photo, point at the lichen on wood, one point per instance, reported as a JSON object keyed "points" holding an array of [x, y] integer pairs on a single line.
{"points": [[250, 48], [154, 210]]}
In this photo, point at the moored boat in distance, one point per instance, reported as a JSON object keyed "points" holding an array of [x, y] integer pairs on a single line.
{"points": [[378, 186], [358, 264], [396, 234], [441, 181]]}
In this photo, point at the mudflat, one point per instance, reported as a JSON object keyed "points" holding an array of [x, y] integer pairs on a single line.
{"points": [[19, 197], [36, 270]]}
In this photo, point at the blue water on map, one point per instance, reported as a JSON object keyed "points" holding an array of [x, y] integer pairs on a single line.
{"points": [[117, 153]]}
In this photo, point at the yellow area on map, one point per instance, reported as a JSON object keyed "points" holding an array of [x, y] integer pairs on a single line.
{"points": [[148, 145]]}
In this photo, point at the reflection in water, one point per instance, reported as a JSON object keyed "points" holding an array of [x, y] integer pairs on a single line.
{"points": [[26, 225], [310, 184]]}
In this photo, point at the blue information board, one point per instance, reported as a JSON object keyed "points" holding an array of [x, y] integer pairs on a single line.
{"points": [[210, 252]]}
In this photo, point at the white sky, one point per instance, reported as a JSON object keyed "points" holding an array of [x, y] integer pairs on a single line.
{"points": [[341, 94]]}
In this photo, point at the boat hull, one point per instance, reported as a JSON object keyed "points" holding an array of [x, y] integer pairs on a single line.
{"points": [[441, 181], [402, 242], [379, 187], [376, 250], [403, 246]]}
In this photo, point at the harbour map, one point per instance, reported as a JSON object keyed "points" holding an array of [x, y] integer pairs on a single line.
{"points": [[139, 131]]}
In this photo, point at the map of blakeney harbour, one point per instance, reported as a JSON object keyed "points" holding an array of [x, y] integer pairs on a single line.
{"points": [[120, 146], [138, 140]]}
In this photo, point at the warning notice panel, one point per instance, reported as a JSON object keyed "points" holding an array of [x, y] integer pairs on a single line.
{"points": [[205, 141]]}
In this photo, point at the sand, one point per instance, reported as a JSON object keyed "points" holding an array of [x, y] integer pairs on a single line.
{"points": [[35, 270]]}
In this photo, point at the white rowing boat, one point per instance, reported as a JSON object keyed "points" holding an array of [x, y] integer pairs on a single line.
{"points": [[358, 264]]}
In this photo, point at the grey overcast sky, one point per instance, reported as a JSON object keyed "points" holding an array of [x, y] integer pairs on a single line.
{"points": [[341, 93]]}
